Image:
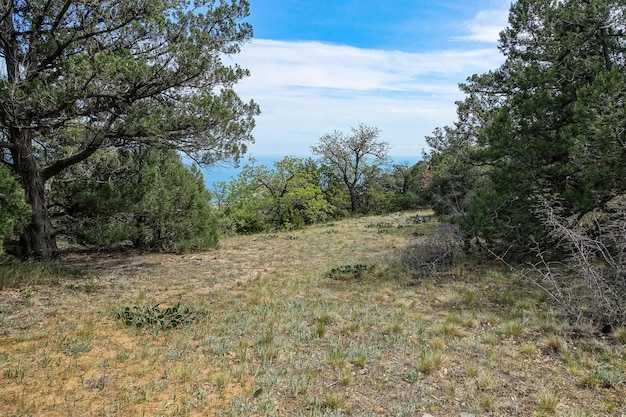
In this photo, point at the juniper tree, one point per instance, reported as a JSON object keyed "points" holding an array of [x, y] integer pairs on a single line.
{"points": [[81, 75], [549, 122]]}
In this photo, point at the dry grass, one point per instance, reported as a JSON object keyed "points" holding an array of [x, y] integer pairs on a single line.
{"points": [[275, 335]]}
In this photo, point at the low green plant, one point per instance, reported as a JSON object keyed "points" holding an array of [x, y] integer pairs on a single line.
{"points": [[529, 349], [360, 357], [77, 348], [300, 385], [548, 401], [379, 225], [336, 358], [419, 219], [321, 323], [349, 272], [471, 370], [412, 376], [333, 401], [18, 373], [555, 344], [449, 329], [485, 381], [513, 328], [487, 402], [157, 318], [610, 377]]}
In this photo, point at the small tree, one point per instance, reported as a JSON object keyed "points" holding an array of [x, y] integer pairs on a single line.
{"points": [[350, 156], [302, 201]]}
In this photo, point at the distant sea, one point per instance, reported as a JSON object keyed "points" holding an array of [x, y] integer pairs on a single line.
{"points": [[223, 172], [226, 172]]}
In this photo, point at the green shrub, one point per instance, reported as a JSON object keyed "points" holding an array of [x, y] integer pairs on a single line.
{"points": [[145, 197], [14, 212], [348, 272], [156, 318]]}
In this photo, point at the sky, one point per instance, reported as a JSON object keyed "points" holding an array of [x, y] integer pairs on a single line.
{"points": [[323, 66]]}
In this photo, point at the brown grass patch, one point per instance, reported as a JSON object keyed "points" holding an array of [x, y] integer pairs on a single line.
{"points": [[276, 336]]}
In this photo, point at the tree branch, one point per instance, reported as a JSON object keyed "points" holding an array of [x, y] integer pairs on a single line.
{"points": [[87, 35], [61, 164], [57, 20], [83, 154]]}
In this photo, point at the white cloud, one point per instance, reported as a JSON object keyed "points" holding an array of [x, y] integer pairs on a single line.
{"points": [[307, 89], [486, 26]]}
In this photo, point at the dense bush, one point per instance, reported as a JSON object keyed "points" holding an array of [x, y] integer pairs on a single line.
{"points": [[299, 192], [148, 198], [14, 210], [289, 196], [547, 125], [549, 121]]}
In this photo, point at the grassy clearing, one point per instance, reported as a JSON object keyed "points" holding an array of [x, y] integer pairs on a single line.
{"points": [[319, 322]]}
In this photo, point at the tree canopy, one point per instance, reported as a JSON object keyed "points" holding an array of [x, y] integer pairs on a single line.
{"points": [[85, 75], [549, 123], [349, 157]]}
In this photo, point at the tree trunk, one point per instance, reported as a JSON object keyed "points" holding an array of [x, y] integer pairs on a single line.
{"points": [[38, 240], [354, 200]]}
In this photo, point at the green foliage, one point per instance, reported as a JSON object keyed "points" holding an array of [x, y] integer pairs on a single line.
{"points": [[534, 165], [349, 272], [144, 196], [394, 189], [548, 122], [153, 317], [412, 376], [175, 213], [14, 212], [301, 201], [335, 192], [84, 76], [77, 348], [299, 192], [286, 197]]}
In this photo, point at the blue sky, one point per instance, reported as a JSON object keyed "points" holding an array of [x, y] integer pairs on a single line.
{"points": [[320, 66]]}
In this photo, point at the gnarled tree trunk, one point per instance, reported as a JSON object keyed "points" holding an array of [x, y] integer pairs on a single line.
{"points": [[37, 240]]}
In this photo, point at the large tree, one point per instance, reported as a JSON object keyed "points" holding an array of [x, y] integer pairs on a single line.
{"points": [[83, 75], [549, 123], [350, 157]]}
